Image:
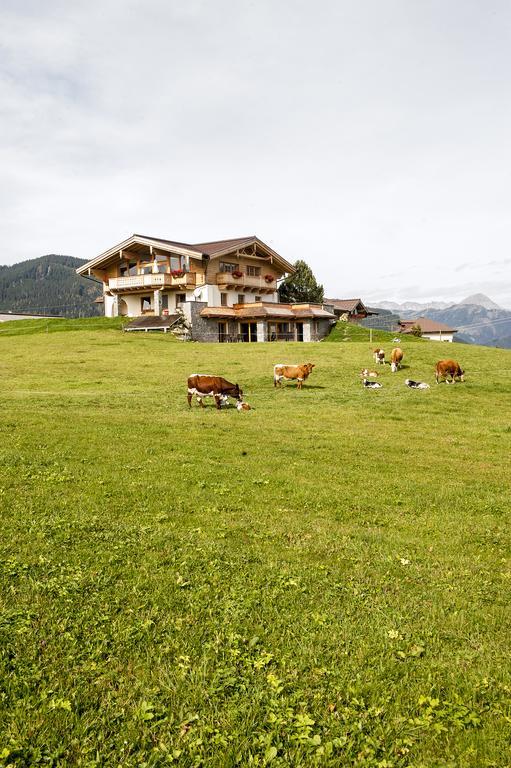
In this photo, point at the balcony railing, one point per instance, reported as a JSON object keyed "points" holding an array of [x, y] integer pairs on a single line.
{"points": [[158, 280], [256, 283]]}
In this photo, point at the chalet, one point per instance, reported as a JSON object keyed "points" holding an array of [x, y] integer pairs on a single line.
{"points": [[349, 309], [224, 290], [430, 329]]}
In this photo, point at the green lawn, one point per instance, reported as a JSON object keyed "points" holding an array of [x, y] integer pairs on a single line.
{"points": [[322, 580]]}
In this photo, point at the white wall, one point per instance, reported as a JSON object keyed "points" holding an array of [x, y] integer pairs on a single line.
{"points": [[436, 336]]}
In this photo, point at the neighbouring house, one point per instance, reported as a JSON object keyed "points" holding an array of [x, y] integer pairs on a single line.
{"points": [[352, 310], [223, 290], [430, 329]]}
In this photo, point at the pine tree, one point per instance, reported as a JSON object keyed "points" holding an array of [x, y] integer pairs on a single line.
{"points": [[302, 286]]}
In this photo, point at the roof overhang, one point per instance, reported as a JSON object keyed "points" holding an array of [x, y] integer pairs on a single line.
{"points": [[108, 256]]}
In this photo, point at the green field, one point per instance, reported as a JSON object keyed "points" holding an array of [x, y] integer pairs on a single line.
{"points": [[322, 580]]}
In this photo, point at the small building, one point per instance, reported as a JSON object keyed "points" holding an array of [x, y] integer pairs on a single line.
{"points": [[225, 290], [430, 329], [352, 310]]}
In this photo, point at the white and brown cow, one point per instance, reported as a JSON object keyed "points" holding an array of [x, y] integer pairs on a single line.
{"points": [[396, 357], [297, 372], [202, 385], [446, 368], [379, 356]]}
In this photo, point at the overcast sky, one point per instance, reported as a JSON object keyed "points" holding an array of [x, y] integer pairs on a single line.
{"points": [[370, 138]]}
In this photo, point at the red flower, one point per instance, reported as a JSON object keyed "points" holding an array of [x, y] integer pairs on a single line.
{"points": [[269, 278], [177, 272], [237, 273]]}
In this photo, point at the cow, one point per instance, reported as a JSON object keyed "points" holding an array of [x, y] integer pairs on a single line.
{"points": [[202, 386], [396, 357], [366, 372], [372, 384], [379, 356], [298, 372], [416, 384], [445, 368]]}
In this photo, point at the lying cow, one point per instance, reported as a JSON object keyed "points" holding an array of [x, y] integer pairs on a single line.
{"points": [[372, 384], [298, 372], [203, 386], [416, 384], [446, 368], [396, 356], [379, 356], [366, 372]]}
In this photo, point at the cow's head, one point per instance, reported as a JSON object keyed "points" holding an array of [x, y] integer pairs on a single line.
{"points": [[310, 366], [237, 392], [461, 373]]}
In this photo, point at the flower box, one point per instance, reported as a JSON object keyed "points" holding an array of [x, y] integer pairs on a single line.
{"points": [[177, 273], [269, 278], [237, 273]]}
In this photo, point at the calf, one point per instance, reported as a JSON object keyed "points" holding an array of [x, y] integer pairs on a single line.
{"points": [[379, 356], [396, 357], [298, 372], [416, 384], [367, 372], [203, 386], [445, 368], [372, 384]]}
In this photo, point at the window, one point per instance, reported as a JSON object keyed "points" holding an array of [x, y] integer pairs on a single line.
{"points": [[145, 303], [253, 271], [223, 299], [133, 268], [164, 301], [146, 269], [175, 263], [162, 263], [241, 298], [226, 266], [257, 298], [180, 298], [123, 271]]}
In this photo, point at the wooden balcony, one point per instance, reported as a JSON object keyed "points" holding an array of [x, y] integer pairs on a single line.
{"points": [[152, 282], [254, 284]]}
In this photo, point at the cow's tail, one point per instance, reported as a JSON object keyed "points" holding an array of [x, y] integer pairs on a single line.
{"points": [[275, 377]]}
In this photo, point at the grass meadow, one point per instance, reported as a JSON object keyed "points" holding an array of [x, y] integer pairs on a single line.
{"points": [[321, 581]]}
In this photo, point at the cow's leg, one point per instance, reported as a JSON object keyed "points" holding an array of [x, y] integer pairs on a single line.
{"points": [[189, 398], [299, 385], [200, 401], [218, 401]]}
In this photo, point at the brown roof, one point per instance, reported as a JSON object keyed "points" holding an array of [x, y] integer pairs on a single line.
{"points": [[427, 326], [151, 322], [268, 310], [348, 305], [221, 245]]}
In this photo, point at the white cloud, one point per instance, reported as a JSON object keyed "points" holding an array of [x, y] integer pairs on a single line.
{"points": [[371, 140]]}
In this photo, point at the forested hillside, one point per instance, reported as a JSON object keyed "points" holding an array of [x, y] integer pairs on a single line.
{"points": [[48, 285]]}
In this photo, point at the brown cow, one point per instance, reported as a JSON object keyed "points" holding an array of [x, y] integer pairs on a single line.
{"points": [[298, 372], [396, 357], [445, 368], [202, 386]]}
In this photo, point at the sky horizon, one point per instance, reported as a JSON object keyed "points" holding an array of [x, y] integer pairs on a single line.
{"points": [[370, 140]]}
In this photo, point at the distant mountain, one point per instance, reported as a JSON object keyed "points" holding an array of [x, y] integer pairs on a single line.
{"points": [[480, 300], [475, 324], [414, 306], [48, 285], [478, 319]]}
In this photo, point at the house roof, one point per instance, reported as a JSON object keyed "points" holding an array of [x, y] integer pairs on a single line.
{"points": [[427, 326], [152, 323], [348, 305], [212, 249], [269, 310]]}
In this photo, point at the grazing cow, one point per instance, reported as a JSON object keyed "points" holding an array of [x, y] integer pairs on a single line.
{"points": [[298, 372], [203, 386], [416, 384], [366, 372], [445, 368], [396, 357], [372, 384], [379, 356]]}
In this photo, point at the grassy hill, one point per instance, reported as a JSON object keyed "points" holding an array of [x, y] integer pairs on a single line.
{"points": [[48, 285], [322, 580]]}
